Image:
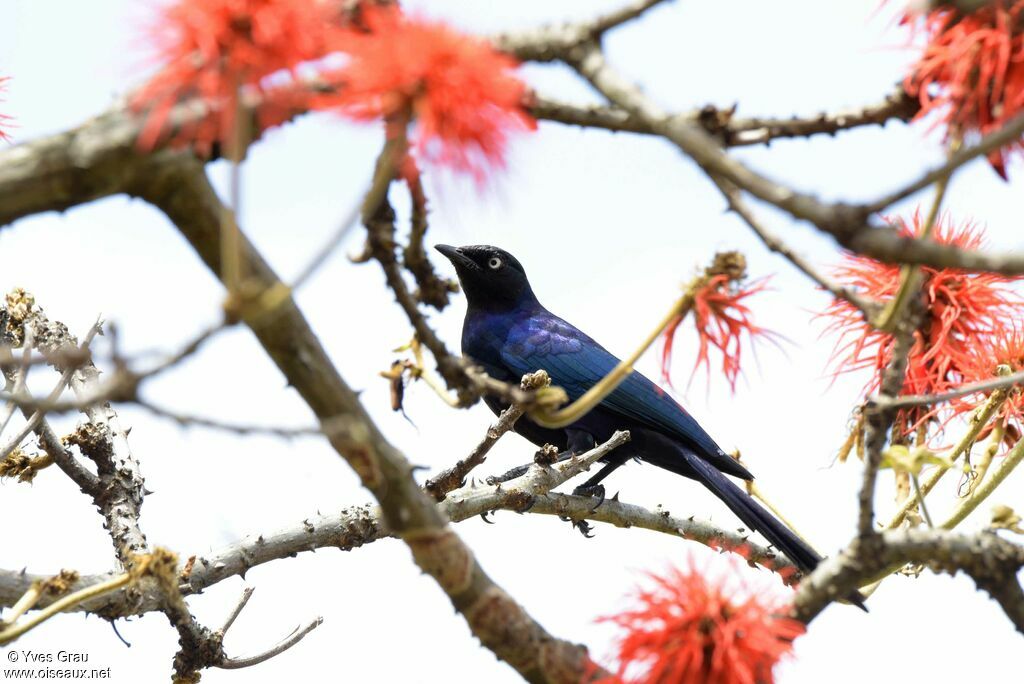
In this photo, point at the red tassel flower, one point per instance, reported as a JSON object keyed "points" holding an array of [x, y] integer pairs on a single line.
{"points": [[963, 312], [1003, 349], [5, 121], [463, 95], [971, 72], [689, 627], [221, 50], [722, 319]]}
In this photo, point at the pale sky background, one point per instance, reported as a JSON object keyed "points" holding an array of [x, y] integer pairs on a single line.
{"points": [[608, 227]]}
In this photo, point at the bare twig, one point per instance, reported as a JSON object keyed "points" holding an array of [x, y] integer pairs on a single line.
{"points": [[454, 477], [1010, 132], [238, 428], [243, 600], [848, 224], [549, 42], [961, 391], [978, 421], [736, 203], [699, 145], [295, 637], [878, 421], [731, 130], [350, 220], [753, 131], [15, 381], [34, 420], [430, 288]]}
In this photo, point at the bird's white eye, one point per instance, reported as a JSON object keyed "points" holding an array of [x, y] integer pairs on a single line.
{"points": [[494, 263]]}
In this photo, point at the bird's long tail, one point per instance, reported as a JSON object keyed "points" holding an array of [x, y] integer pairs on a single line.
{"points": [[751, 513]]}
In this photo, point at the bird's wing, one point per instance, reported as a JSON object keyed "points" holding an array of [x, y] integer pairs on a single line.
{"points": [[576, 362]]}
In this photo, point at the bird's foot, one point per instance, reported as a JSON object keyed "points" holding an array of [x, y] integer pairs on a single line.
{"points": [[519, 471], [512, 474], [596, 491], [582, 525]]}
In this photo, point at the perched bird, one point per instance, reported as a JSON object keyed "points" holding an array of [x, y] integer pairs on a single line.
{"points": [[509, 333]]}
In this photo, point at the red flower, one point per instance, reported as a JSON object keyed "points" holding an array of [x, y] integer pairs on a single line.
{"points": [[461, 92], [722, 317], [1003, 349], [963, 311], [690, 628], [4, 119], [221, 50], [972, 70]]}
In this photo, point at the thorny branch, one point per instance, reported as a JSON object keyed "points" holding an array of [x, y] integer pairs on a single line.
{"points": [[99, 159], [730, 130], [772, 242], [48, 439], [848, 224], [357, 526], [451, 478], [32, 421], [550, 42], [379, 219], [118, 489], [878, 421], [992, 561]]}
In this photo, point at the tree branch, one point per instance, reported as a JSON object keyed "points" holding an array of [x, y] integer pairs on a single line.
{"points": [[775, 244], [357, 526], [897, 105], [48, 439], [992, 561], [451, 478], [695, 142], [878, 421], [179, 187], [549, 42], [963, 390]]}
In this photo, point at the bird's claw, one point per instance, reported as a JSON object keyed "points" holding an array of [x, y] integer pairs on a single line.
{"points": [[512, 474], [584, 527], [595, 491], [483, 516]]}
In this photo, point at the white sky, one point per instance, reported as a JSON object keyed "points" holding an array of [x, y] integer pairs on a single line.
{"points": [[608, 227]]}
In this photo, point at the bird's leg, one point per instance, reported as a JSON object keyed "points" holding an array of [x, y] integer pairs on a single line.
{"points": [[519, 471], [577, 442], [592, 487]]}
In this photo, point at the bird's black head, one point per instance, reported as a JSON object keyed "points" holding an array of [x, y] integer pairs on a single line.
{"points": [[491, 277]]}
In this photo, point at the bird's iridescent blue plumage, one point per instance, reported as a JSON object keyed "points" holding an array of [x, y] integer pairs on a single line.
{"points": [[510, 334], [537, 339]]}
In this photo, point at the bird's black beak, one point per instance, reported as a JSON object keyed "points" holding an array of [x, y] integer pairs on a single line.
{"points": [[455, 255]]}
